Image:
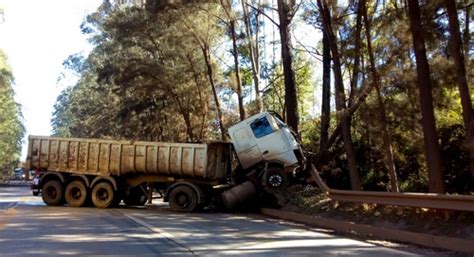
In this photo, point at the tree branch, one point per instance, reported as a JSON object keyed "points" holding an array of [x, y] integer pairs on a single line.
{"points": [[264, 14]]}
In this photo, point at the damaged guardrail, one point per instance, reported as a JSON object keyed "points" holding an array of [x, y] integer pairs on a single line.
{"points": [[420, 200]]}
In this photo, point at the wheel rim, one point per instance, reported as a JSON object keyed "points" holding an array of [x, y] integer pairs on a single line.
{"points": [[182, 200], [102, 194], [51, 192], [76, 193], [275, 180]]}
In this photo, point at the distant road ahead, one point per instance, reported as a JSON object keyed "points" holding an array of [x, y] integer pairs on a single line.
{"points": [[28, 228]]}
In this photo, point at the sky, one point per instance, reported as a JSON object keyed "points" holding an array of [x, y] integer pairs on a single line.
{"points": [[37, 37]]}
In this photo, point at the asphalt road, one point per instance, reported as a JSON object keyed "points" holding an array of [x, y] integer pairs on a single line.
{"points": [[29, 228]]}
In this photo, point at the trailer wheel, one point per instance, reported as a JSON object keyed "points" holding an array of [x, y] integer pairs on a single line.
{"points": [[75, 194], [52, 193], [275, 178], [183, 198], [103, 195]]}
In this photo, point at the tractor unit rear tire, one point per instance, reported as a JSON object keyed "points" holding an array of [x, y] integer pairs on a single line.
{"points": [[183, 199]]}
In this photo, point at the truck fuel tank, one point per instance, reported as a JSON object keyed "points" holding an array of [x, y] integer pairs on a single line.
{"points": [[238, 194]]}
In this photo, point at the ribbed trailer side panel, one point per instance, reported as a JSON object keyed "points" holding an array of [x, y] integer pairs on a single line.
{"points": [[109, 157]]}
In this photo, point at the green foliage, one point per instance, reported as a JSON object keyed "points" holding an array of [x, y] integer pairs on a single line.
{"points": [[274, 96], [456, 160], [145, 79], [395, 64], [11, 127]]}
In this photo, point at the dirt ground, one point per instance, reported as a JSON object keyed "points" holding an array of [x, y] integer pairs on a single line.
{"points": [[310, 200]]}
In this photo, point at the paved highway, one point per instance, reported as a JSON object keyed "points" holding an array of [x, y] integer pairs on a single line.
{"points": [[29, 228]]}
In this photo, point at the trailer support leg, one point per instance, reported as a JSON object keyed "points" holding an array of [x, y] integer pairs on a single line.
{"points": [[150, 193]]}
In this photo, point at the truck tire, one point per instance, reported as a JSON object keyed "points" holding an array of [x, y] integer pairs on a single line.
{"points": [[183, 199], [75, 194], [103, 195], [52, 193], [275, 178]]}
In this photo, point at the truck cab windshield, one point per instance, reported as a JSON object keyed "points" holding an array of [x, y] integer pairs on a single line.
{"points": [[261, 127]]}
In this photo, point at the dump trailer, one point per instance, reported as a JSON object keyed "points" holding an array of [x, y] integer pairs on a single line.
{"points": [[263, 155]]}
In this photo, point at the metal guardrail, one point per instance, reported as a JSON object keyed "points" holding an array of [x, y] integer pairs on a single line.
{"points": [[420, 200]]}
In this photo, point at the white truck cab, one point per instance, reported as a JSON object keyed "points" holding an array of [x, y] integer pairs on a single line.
{"points": [[265, 138]]}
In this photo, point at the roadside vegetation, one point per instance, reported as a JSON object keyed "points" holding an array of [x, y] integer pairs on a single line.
{"points": [[396, 113], [382, 99], [11, 122], [311, 201]]}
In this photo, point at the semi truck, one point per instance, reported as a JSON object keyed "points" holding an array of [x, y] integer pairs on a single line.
{"points": [[263, 155]]}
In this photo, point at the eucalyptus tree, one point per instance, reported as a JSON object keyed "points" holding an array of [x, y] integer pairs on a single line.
{"points": [[458, 56], [340, 96], [433, 154], [386, 136], [274, 96], [148, 69], [203, 31], [232, 27], [286, 12], [253, 51], [11, 122]]}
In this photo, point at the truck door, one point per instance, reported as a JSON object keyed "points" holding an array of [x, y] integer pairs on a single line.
{"points": [[246, 147], [270, 139]]}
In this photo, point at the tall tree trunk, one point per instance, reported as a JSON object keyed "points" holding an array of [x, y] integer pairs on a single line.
{"points": [[467, 34], [386, 137], [232, 21], [356, 68], [285, 13], [235, 53], [467, 112], [340, 97], [433, 154], [253, 60], [202, 104], [207, 59], [206, 52], [325, 105]]}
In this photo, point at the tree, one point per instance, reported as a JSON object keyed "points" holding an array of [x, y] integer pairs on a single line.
{"points": [[340, 96], [326, 94], [286, 9], [274, 96], [457, 49], [11, 126], [204, 43], [433, 154], [232, 22], [253, 54], [387, 139], [146, 78]]}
